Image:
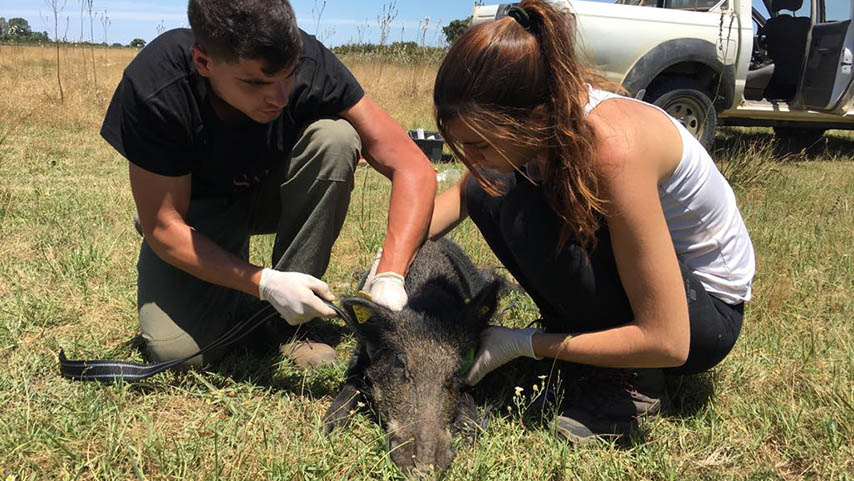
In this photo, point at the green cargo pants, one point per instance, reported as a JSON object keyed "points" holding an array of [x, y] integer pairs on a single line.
{"points": [[304, 202]]}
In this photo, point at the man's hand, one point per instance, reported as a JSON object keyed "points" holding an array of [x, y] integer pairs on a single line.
{"points": [[498, 346], [386, 288], [389, 150], [295, 295]]}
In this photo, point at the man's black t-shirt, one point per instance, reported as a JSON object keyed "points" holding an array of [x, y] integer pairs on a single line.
{"points": [[160, 117]]}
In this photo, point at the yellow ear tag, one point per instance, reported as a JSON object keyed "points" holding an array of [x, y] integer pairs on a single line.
{"points": [[483, 311], [363, 313], [467, 300]]}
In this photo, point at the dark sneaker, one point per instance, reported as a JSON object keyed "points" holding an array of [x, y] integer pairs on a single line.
{"points": [[611, 401], [580, 425], [631, 392]]}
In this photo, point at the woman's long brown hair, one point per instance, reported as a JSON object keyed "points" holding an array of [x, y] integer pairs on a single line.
{"points": [[527, 88]]}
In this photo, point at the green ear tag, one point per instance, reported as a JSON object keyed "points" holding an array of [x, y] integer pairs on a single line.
{"points": [[363, 313], [483, 311], [468, 362], [467, 300]]}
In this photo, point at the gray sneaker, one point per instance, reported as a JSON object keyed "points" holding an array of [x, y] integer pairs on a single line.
{"points": [[612, 401], [303, 346], [307, 354]]}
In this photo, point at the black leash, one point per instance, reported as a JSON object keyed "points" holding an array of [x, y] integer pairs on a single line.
{"points": [[112, 371]]}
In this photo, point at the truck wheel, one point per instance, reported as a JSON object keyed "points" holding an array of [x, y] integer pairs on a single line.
{"points": [[685, 101], [799, 138]]}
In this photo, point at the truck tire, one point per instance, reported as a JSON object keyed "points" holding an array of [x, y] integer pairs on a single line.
{"points": [[686, 101]]}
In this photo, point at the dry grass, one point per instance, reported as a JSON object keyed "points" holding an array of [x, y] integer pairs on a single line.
{"points": [[780, 407]]}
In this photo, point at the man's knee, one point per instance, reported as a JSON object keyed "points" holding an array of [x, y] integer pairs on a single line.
{"points": [[336, 144], [164, 339]]}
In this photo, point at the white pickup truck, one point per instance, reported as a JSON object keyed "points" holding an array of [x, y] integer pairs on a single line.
{"points": [[785, 64]]}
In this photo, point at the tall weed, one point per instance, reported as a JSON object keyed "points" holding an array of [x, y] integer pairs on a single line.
{"points": [[747, 162]]}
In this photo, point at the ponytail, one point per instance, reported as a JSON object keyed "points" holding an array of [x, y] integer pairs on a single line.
{"points": [[570, 183]]}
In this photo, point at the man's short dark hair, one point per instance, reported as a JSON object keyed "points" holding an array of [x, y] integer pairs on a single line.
{"points": [[252, 29]]}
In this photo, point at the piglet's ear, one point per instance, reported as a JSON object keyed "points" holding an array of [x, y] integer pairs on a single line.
{"points": [[361, 310], [481, 309], [368, 321]]}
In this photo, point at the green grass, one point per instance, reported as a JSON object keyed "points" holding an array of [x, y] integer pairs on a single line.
{"points": [[781, 406]]}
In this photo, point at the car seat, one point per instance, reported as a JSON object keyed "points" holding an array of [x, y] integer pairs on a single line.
{"points": [[786, 38]]}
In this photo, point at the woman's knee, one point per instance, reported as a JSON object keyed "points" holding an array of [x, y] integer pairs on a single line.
{"points": [[484, 207], [476, 199], [712, 339]]}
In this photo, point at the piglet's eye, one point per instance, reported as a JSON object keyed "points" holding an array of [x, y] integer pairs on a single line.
{"points": [[399, 362]]}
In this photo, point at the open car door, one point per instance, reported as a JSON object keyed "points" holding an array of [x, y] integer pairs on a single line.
{"points": [[826, 83]]}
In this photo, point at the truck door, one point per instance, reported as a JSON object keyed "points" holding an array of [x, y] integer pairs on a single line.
{"points": [[828, 70]]}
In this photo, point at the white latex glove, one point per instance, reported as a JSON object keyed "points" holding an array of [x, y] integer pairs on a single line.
{"points": [[386, 288], [373, 270], [498, 346], [295, 295]]}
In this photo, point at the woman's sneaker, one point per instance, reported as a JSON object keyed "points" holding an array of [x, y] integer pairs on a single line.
{"points": [[610, 403]]}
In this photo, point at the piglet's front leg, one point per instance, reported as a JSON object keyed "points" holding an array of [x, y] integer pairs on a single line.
{"points": [[338, 414], [467, 421]]}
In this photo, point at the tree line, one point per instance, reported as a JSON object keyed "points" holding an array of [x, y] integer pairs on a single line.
{"points": [[452, 32], [18, 30]]}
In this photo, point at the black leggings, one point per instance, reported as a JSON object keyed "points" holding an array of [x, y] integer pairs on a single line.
{"points": [[580, 292]]}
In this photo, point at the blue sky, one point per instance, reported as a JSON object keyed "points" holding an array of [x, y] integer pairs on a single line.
{"points": [[342, 21]]}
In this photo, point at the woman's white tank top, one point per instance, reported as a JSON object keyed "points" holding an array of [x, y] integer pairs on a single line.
{"points": [[705, 224]]}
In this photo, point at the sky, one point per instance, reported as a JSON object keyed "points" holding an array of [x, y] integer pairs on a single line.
{"points": [[342, 21]]}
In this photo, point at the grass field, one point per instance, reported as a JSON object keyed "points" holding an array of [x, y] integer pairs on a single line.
{"points": [[781, 406]]}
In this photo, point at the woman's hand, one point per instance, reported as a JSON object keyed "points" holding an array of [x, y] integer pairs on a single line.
{"points": [[498, 346]]}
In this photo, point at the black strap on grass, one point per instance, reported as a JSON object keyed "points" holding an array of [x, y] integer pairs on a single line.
{"points": [[112, 371]]}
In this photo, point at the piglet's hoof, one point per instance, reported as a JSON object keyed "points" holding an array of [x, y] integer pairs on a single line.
{"points": [[307, 354]]}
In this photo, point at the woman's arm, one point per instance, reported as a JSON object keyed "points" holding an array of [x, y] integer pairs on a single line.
{"points": [[636, 146], [449, 209]]}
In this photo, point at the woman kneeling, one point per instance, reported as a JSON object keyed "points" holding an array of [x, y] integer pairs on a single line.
{"points": [[606, 210]]}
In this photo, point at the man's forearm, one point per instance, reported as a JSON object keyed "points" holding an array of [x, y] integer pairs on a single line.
{"points": [[410, 210], [183, 247]]}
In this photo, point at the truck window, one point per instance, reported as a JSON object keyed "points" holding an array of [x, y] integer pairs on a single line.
{"points": [[638, 3], [837, 10], [696, 5], [760, 8]]}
